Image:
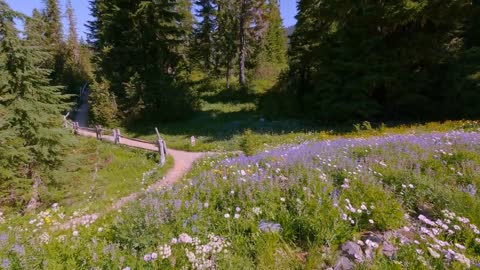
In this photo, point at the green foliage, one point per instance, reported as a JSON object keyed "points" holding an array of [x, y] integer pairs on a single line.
{"points": [[400, 60], [139, 50], [31, 113], [248, 144], [103, 109]]}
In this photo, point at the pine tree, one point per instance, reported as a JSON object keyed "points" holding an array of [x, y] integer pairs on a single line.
{"points": [[205, 31], [35, 29], [73, 46], [226, 37], [140, 52], [351, 61], [31, 111], [54, 38], [252, 27], [244, 19], [54, 29], [276, 38], [77, 67]]}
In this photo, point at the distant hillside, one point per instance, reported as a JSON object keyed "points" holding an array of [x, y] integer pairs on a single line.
{"points": [[290, 30]]}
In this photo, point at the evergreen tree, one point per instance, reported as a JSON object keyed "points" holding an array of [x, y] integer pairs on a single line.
{"points": [[276, 37], [226, 37], [54, 39], [373, 60], [245, 15], [31, 114], [184, 8], [77, 67], [205, 31], [73, 46], [54, 29], [35, 29], [139, 48], [252, 28]]}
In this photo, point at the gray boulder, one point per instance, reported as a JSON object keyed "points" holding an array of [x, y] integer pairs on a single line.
{"points": [[353, 251], [343, 263]]}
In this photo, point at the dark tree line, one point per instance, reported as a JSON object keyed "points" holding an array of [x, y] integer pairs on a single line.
{"points": [[145, 51], [354, 60]]}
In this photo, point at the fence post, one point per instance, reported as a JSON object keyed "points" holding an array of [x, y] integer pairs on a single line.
{"points": [[75, 128], [161, 151], [162, 148], [193, 141], [116, 136], [98, 131], [65, 121]]}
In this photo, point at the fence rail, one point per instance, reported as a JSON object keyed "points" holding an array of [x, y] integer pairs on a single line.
{"points": [[113, 135]]}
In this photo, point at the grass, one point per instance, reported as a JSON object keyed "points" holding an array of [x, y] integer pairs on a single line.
{"points": [[301, 192], [290, 208], [95, 174]]}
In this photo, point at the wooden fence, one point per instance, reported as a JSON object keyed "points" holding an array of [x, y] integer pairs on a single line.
{"points": [[114, 135]]}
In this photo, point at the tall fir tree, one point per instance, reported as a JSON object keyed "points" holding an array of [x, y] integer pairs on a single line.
{"points": [[31, 110], [252, 27], [226, 37], [77, 66], [73, 46], [53, 18], [54, 37], [276, 37], [205, 31], [35, 29]]}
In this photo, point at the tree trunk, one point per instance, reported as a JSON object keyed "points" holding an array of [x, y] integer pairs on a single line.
{"points": [[228, 75], [243, 44]]}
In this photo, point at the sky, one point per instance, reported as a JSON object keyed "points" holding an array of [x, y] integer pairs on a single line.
{"points": [[82, 13]]}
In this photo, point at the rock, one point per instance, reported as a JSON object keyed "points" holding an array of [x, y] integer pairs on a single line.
{"points": [[389, 250], [369, 253], [343, 263], [353, 251], [373, 237]]}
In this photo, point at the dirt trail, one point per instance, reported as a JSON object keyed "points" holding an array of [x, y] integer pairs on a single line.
{"points": [[183, 162], [82, 113]]}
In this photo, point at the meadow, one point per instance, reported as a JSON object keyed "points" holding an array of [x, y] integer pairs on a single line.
{"points": [[397, 201]]}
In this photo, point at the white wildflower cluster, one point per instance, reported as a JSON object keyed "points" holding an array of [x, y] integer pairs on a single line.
{"points": [[371, 244], [44, 238], [86, 220], [48, 217], [148, 174], [346, 183], [356, 212], [440, 236], [200, 256], [2, 219], [410, 186], [257, 211], [183, 238], [164, 252]]}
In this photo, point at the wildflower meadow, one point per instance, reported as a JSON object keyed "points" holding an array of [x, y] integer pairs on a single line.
{"points": [[388, 202]]}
